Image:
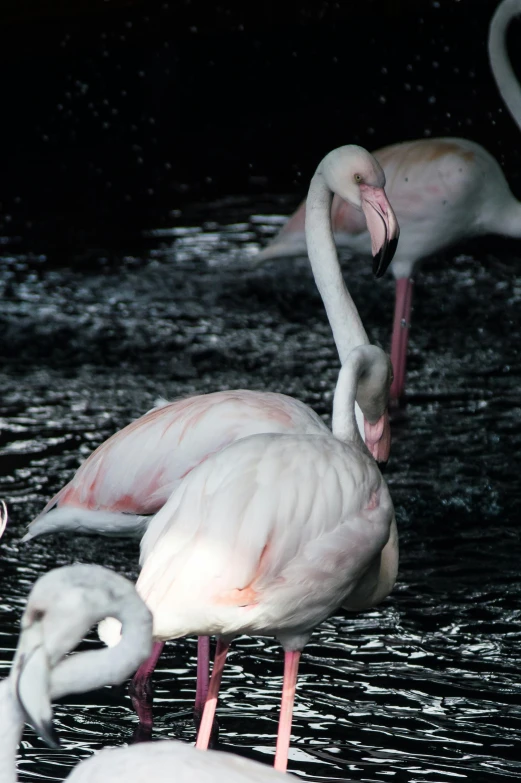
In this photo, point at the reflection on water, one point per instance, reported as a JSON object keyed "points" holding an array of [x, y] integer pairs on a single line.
{"points": [[426, 687]]}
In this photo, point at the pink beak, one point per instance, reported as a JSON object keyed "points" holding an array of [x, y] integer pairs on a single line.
{"points": [[378, 438], [382, 225]]}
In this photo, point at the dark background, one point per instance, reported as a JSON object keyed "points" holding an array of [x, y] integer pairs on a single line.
{"points": [[117, 112]]}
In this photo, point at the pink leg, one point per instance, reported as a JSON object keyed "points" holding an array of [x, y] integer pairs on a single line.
{"points": [[203, 674], [140, 688], [291, 661], [400, 338], [205, 729]]}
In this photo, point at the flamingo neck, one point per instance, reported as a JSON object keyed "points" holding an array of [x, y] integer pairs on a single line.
{"points": [[345, 426], [11, 727], [94, 669], [506, 81], [345, 322]]}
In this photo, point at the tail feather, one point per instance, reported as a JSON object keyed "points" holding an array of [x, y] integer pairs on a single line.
{"points": [[71, 519], [284, 247]]}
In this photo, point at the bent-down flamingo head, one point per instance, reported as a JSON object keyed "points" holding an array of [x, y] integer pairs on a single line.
{"points": [[377, 438], [357, 177], [372, 396]]}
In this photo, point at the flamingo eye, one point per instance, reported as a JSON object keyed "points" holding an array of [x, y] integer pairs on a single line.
{"points": [[358, 178]]}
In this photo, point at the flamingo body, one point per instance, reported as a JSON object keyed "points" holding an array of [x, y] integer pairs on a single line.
{"points": [[169, 761], [257, 525]]}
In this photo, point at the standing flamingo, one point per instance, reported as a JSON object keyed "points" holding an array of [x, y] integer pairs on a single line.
{"points": [[131, 475], [63, 605], [443, 190], [269, 536]]}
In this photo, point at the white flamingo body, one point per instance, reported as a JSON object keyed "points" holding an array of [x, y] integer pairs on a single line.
{"points": [[171, 762], [132, 474], [61, 608], [442, 190], [257, 525]]}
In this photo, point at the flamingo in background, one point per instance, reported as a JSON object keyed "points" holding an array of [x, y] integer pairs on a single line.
{"points": [[270, 535], [130, 476], [62, 606], [442, 190]]}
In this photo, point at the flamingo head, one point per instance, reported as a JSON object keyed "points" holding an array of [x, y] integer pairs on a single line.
{"points": [[357, 177], [372, 396]]}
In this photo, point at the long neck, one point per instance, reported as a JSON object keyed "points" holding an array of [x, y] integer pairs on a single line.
{"points": [[11, 727], [505, 78], [345, 322], [87, 671], [345, 426]]}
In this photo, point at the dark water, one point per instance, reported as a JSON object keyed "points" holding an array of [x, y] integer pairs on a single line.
{"points": [[426, 688]]}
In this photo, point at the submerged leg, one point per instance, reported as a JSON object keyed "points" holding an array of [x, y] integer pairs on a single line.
{"points": [[203, 675], [205, 729], [140, 690], [400, 338], [291, 661]]}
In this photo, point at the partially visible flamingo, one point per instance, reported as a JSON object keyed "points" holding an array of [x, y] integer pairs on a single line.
{"points": [[63, 605], [270, 535], [442, 190], [131, 475], [3, 517]]}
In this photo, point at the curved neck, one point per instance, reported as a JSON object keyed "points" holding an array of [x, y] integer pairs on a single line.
{"points": [[345, 322], [345, 427], [505, 78], [87, 671], [11, 727]]}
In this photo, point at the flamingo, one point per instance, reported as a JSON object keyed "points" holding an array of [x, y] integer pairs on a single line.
{"points": [[3, 517], [130, 476], [443, 191], [269, 536], [61, 608]]}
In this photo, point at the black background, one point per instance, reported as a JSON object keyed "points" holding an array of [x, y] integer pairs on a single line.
{"points": [[117, 112]]}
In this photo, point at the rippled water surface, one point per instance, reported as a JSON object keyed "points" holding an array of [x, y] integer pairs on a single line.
{"points": [[425, 688]]}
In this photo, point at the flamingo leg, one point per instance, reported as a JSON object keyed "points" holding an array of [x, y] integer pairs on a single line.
{"points": [[140, 690], [400, 337], [203, 675], [205, 729], [291, 662]]}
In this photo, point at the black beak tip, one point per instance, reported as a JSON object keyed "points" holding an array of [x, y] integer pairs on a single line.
{"points": [[383, 258], [391, 249], [379, 266]]}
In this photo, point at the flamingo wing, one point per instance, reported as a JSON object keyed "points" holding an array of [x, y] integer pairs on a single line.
{"points": [[270, 512]]}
